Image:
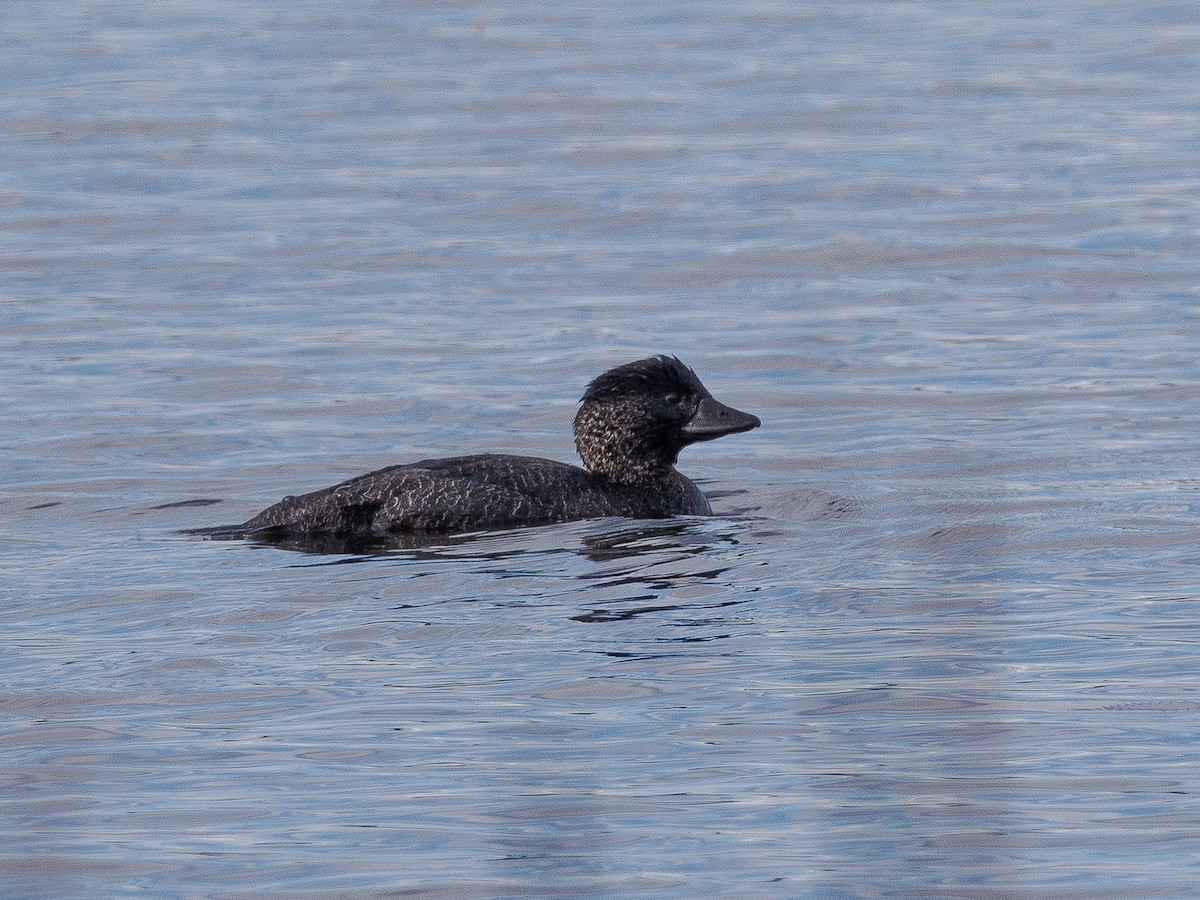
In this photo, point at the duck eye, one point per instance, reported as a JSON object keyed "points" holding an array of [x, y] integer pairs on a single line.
{"points": [[673, 398]]}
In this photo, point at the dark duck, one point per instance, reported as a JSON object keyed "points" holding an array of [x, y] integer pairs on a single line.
{"points": [[632, 422]]}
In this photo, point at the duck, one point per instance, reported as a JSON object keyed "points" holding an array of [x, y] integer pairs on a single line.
{"points": [[632, 422]]}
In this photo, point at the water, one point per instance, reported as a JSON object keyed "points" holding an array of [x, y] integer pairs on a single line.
{"points": [[940, 639]]}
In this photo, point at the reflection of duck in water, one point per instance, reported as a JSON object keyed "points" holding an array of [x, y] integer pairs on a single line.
{"points": [[632, 423]]}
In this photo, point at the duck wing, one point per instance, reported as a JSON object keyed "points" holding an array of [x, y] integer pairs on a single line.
{"points": [[459, 493]]}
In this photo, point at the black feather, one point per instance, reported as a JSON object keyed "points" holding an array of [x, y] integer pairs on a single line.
{"points": [[662, 374]]}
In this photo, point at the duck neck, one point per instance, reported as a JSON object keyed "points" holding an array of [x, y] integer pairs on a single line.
{"points": [[615, 444]]}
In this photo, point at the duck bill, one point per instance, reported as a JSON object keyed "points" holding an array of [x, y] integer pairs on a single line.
{"points": [[714, 419]]}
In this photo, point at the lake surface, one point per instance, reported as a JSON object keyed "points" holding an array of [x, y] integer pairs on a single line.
{"points": [[942, 638]]}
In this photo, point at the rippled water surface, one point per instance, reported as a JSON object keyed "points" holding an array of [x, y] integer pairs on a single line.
{"points": [[941, 638]]}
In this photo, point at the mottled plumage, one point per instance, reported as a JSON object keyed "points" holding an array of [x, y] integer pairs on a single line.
{"points": [[631, 425]]}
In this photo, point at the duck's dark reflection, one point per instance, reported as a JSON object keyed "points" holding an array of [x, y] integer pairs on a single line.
{"points": [[418, 545], [651, 561], [622, 615], [689, 536], [624, 569], [626, 543]]}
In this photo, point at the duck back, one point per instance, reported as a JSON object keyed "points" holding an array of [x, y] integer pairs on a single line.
{"points": [[473, 492]]}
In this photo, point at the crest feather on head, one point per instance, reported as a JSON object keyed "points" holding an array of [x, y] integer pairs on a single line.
{"points": [[655, 374]]}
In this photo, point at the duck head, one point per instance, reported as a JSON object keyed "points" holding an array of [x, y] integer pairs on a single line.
{"points": [[635, 419]]}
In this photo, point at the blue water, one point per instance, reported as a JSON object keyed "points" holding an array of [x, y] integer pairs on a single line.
{"points": [[940, 639]]}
